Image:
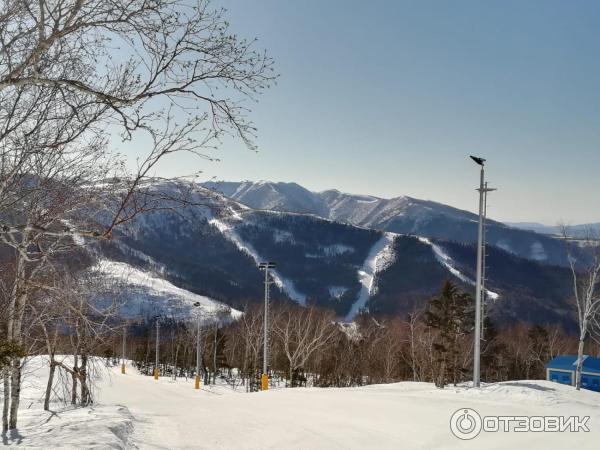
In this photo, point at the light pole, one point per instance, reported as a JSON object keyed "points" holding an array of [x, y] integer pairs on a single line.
{"points": [[156, 371], [198, 355], [264, 379], [483, 190], [123, 352]]}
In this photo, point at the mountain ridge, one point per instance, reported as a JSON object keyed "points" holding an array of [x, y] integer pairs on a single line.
{"points": [[212, 247], [402, 214]]}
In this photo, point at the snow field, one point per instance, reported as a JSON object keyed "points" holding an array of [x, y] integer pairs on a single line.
{"points": [[135, 411]]}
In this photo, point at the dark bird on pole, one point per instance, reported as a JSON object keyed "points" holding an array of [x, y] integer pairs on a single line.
{"points": [[478, 160]]}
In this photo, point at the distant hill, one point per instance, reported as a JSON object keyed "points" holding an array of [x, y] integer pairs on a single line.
{"points": [[577, 231]]}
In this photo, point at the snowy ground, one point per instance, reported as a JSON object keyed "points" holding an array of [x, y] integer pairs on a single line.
{"points": [[137, 412]]}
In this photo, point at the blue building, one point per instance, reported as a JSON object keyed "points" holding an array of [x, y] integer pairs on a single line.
{"points": [[562, 370]]}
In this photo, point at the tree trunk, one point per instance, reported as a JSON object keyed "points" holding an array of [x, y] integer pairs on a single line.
{"points": [[6, 403], [85, 391], [15, 320], [74, 381], [579, 367], [15, 393], [50, 383]]}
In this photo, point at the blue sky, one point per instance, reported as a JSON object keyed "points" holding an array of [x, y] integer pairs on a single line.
{"points": [[390, 97]]}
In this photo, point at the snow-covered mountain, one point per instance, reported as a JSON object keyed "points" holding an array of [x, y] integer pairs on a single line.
{"points": [[403, 214], [209, 252]]}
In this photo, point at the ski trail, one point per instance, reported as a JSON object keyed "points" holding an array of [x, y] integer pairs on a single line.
{"points": [[285, 284], [380, 254], [446, 261]]}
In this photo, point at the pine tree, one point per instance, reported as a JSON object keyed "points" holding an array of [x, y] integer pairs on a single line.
{"points": [[493, 354], [450, 315]]}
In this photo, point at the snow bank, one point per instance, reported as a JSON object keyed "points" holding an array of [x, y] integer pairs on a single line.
{"points": [[107, 426]]}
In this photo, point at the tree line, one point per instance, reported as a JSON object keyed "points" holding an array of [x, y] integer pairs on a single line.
{"points": [[309, 347]]}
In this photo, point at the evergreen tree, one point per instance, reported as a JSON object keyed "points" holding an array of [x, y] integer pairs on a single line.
{"points": [[493, 354], [450, 314]]}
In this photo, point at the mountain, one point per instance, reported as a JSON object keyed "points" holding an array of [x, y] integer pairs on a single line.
{"points": [[405, 215], [209, 252], [576, 231]]}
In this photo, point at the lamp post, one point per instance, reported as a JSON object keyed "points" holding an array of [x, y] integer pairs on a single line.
{"points": [[198, 355], [156, 371], [123, 352], [483, 190], [264, 380]]}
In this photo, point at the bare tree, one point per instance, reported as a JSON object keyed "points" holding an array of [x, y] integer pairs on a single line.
{"points": [[586, 278], [69, 71], [302, 331]]}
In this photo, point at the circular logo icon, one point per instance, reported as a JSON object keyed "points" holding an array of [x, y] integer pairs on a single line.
{"points": [[465, 424]]}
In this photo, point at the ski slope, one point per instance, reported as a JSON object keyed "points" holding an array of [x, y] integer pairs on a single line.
{"points": [[134, 411], [380, 255], [147, 294]]}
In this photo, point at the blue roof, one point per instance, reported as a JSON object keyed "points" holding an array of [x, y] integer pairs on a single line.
{"points": [[569, 362]]}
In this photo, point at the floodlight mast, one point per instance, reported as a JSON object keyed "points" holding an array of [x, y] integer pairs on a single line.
{"points": [[156, 370], [198, 355], [123, 351], [265, 377], [477, 338]]}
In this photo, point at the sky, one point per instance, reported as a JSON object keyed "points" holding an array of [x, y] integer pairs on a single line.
{"points": [[390, 97]]}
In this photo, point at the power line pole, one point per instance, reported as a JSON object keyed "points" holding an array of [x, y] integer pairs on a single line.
{"points": [[264, 381], [123, 352]]}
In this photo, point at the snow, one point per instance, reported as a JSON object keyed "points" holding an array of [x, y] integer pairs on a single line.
{"points": [[379, 257], [538, 253], [337, 249], [135, 411], [146, 291], [446, 261], [103, 426], [285, 284], [337, 291]]}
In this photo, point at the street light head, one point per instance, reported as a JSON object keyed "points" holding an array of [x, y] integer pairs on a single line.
{"points": [[478, 160]]}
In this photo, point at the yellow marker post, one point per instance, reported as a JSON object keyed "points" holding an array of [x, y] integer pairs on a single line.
{"points": [[197, 382], [156, 373], [264, 382], [123, 368]]}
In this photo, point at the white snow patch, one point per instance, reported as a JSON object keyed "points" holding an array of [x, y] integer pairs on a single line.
{"points": [[380, 256], [538, 252], [146, 292], [504, 246], [280, 236], [337, 249], [337, 291], [447, 261]]}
